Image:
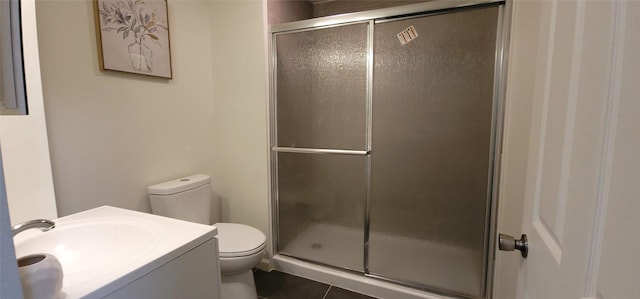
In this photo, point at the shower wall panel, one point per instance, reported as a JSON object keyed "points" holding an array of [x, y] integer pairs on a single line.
{"points": [[432, 126]]}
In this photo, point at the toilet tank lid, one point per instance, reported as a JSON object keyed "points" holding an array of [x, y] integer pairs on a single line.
{"points": [[179, 185]]}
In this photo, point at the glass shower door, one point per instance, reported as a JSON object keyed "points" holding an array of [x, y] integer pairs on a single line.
{"points": [[431, 150], [321, 146]]}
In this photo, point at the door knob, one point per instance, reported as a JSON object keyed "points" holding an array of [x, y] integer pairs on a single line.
{"points": [[509, 243]]}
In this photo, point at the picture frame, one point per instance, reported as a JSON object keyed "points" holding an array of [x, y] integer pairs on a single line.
{"points": [[133, 36]]}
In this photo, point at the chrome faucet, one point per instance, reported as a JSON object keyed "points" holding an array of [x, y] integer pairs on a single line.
{"points": [[42, 224]]}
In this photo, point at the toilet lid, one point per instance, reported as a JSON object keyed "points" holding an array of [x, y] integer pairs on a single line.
{"points": [[236, 239]]}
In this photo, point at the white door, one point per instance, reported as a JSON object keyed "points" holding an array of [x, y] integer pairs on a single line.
{"points": [[572, 151]]}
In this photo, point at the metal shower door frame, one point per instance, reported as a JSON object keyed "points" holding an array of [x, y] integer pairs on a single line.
{"points": [[379, 16]]}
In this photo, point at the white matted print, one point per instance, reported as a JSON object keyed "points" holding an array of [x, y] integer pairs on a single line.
{"points": [[134, 36]]}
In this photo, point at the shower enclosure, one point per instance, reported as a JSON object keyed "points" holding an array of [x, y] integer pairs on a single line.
{"points": [[384, 133]]}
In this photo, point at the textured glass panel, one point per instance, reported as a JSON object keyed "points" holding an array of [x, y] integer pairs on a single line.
{"points": [[321, 88], [432, 112], [321, 204]]}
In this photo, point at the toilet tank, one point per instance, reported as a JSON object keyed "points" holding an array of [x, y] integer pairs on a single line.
{"points": [[188, 198]]}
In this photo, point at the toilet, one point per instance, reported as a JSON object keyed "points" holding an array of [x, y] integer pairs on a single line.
{"points": [[241, 247]]}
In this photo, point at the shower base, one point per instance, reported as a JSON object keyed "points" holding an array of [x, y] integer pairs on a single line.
{"points": [[403, 259]]}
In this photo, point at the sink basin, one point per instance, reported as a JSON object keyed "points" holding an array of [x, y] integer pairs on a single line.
{"points": [[103, 249], [90, 248]]}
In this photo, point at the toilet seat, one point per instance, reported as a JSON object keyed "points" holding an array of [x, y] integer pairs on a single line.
{"points": [[238, 240]]}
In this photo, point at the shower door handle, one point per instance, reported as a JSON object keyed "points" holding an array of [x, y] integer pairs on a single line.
{"points": [[509, 243]]}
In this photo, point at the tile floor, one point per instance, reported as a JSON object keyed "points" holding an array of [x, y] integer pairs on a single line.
{"points": [[278, 285]]}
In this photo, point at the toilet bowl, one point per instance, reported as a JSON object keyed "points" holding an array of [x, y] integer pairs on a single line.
{"points": [[241, 247]]}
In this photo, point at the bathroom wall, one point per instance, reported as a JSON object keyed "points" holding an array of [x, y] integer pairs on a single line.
{"points": [[240, 96], [9, 279], [25, 149], [283, 11], [336, 7], [113, 134], [240, 89]]}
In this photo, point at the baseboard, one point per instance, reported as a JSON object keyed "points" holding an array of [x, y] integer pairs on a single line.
{"points": [[265, 264]]}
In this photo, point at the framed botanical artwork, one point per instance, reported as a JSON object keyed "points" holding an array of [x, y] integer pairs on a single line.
{"points": [[133, 36]]}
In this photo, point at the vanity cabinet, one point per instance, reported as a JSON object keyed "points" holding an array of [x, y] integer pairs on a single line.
{"points": [[194, 274]]}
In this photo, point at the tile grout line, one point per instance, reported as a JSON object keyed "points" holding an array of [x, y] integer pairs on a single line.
{"points": [[327, 292]]}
